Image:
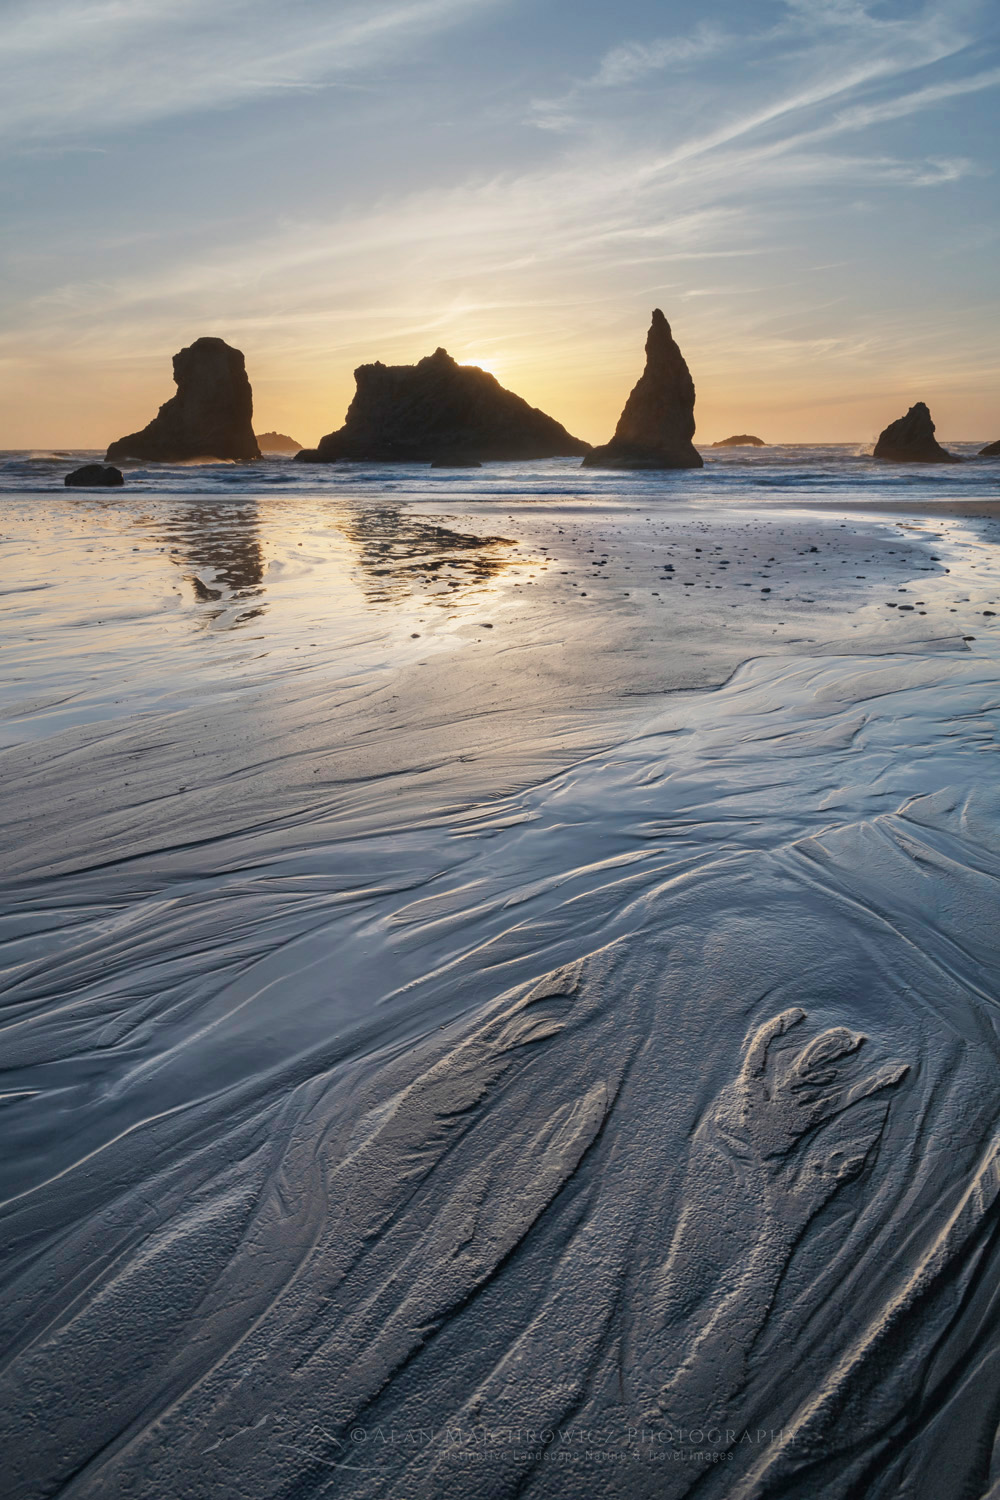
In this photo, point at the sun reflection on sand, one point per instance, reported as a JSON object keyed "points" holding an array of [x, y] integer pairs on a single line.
{"points": [[401, 556]]}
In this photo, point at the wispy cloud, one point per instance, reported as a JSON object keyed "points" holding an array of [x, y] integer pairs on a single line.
{"points": [[819, 50], [762, 153], [66, 68], [630, 61], [862, 116]]}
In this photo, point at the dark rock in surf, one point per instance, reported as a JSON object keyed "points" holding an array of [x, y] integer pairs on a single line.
{"points": [[438, 410], [657, 425], [992, 450], [911, 440], [211, 416], [278, 442], [742, 440], [102, 476]]}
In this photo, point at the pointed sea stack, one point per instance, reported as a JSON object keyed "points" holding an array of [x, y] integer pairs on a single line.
{"points": [[438, 411], [657, 425], [992, 450], [211, 416], [911, 440]]}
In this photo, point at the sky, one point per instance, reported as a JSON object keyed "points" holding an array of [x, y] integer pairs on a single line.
{"points": [[807, 188]]}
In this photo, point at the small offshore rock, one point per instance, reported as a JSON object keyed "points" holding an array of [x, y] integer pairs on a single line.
{"points": [[741, 440], [278, 442], [992, 450], [104, 476]]}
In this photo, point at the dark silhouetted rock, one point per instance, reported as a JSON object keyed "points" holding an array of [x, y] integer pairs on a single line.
{"points": [[277, 442], [911, 440], [102, 475], [211, 415], [742, 440], [992, 450], [657, 425], [438, 411]]}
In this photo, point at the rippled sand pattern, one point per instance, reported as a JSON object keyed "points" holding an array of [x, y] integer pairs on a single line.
{"points": [[424, 1077]]}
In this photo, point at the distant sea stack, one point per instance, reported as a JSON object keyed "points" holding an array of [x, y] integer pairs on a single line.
{"points": [[992, 450], [101, 476], [657, 425], [211, 415], [911, 440], [742, 440], [277, 442], [438, 411]]}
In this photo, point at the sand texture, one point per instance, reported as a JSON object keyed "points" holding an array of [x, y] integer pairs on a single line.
{"points": [[482, 1017]]}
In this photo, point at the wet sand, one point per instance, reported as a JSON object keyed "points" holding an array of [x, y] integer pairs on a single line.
{"points": [[526, 1023]]}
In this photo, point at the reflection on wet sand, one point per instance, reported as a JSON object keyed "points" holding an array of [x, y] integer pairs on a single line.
{"points": [[221, 543], [400, 556], [397, 557]]}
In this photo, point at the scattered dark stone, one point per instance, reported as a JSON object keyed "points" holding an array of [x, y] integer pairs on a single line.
{"points": [[104, 476], [442, 413], [742, 440], [657, 425], [911, 440], [211, 416]]}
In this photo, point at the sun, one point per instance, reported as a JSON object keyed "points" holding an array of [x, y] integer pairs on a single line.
{"points": [[487, 362]]}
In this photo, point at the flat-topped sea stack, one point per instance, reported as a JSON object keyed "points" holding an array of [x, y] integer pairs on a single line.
{"points": [[742, 440], [211, 416], [911, 440], [992, 450], [438, 411], [277, 442], [657, 425]]}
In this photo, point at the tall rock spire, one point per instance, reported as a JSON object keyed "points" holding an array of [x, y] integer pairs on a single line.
{"points": [[657, 425], [211, 415]]}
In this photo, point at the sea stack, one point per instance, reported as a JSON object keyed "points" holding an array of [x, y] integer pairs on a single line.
{"points": [[741, 440], [278, 442], [211, 416], [657, 425], [438, 411], [911, 440], [992, 450]]}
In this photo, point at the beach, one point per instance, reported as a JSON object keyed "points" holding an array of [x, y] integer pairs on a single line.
{"points": [[497, 965]]}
